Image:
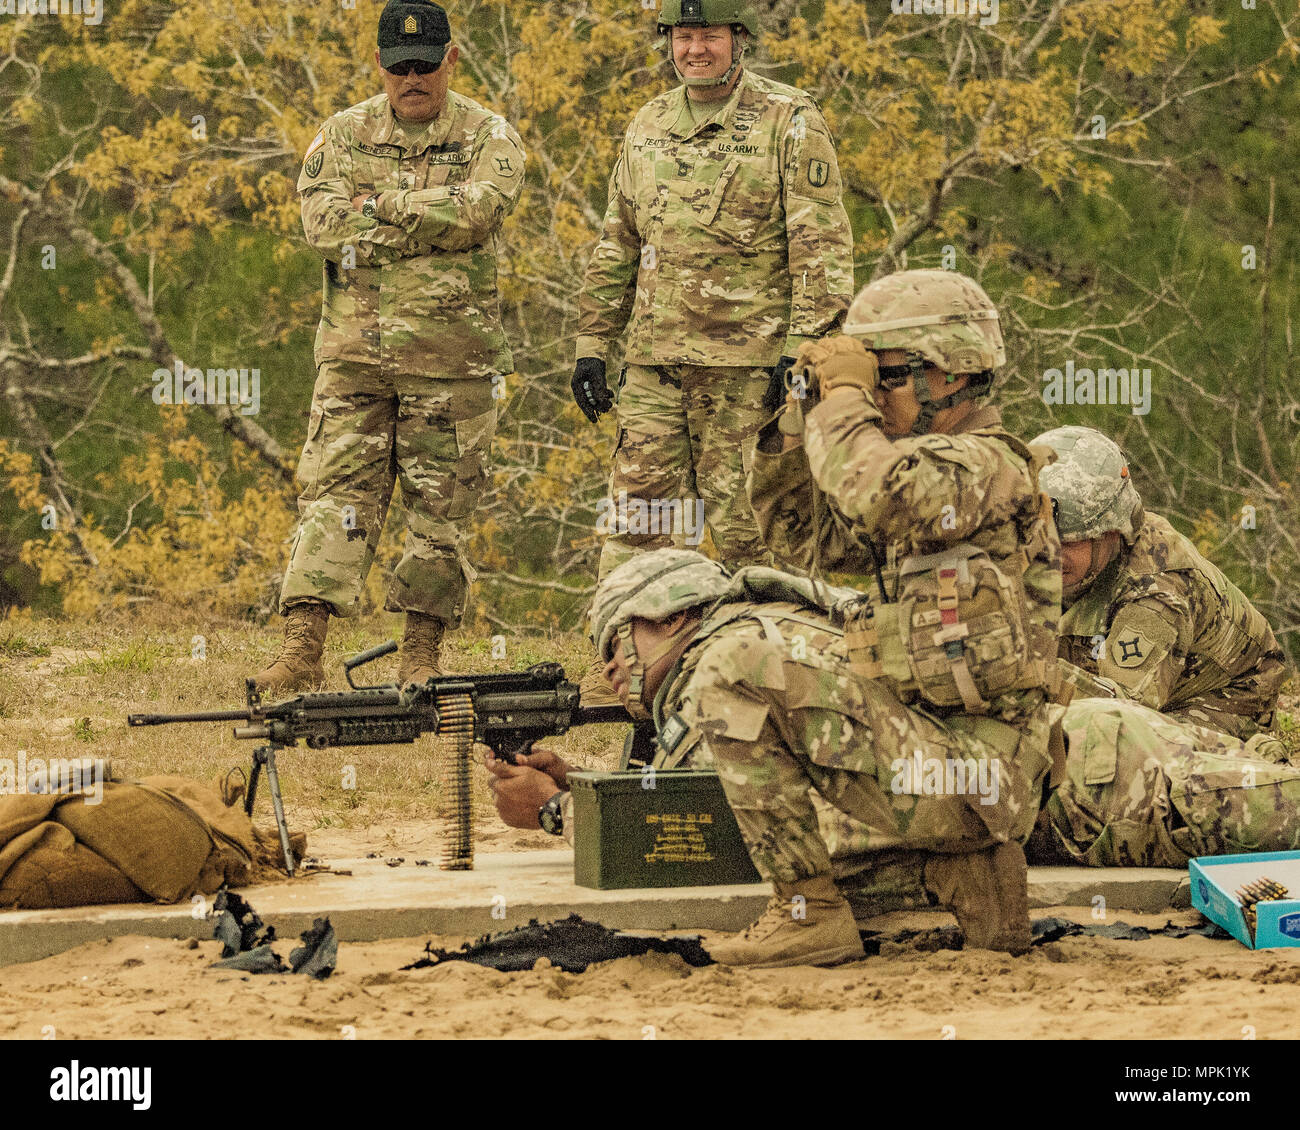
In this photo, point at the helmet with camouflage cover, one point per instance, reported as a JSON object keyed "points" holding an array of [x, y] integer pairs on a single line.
{"points": [[941, 315], [652, 586], [711, 13], [937, 316], [1091, 489]]}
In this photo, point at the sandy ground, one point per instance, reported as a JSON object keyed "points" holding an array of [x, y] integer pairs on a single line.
{"points": [[1076, 988], [1095, 988]]}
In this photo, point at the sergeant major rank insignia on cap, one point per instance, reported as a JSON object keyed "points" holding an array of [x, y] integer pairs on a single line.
{"points": [[411, 26]]}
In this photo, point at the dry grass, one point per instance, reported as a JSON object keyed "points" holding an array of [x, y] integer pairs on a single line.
{"points": [[66, 689]]}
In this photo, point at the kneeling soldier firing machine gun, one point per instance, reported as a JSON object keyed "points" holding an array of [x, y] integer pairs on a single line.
{"points": [[506, 712]]}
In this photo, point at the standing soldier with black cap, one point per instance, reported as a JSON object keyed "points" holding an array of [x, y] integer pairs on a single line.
{"points": [[403, 196], [726, 246]]}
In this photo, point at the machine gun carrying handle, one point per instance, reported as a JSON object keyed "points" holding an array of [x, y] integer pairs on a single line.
{"points": [[355, 661]]}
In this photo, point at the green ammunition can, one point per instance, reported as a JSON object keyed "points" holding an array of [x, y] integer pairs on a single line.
{"points": [[666, 828]]}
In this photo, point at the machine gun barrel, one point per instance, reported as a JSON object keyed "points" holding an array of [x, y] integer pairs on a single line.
{"points": [[201, 716]]}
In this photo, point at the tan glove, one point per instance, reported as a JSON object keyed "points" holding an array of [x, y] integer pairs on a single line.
{"points": [[835, 362]]}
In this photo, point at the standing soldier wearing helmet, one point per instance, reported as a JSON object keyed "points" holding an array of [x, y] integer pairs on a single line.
{"points": [[1147, 617], [750, 675], [889, 462], [402, 197], [726, 246]]}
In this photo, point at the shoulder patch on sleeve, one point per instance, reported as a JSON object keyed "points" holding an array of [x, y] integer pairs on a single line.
{"points": [[729, 714], [318, 163], [501, 157], [1137, 636], [814, 173]]}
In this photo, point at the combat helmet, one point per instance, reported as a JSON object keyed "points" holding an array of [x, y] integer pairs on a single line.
{"points": [[711, 13], [651, 586], [1090, 486], [937, 316]]}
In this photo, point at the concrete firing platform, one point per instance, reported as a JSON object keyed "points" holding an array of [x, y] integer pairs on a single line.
{"points": [[377, 901]]}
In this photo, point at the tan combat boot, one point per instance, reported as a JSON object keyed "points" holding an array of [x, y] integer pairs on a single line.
{"points": [[421, 643], [595, 689], [817, 931], [298, 666], [988, 892]]}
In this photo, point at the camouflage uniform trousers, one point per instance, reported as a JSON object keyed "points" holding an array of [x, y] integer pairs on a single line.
{"points": [[685, 432], [368, 429], [849, 740], [1144, 790]]}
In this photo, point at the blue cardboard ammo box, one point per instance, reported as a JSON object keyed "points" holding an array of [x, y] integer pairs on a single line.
{"points": [[672, 829], [1215, 878]]}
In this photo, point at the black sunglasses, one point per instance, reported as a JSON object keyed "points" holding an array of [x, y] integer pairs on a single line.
{"points": [[419, 66], [896, 376]]}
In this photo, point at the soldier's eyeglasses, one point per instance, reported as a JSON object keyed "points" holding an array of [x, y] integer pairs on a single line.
{"points": [[896, 376], [406, 66]]}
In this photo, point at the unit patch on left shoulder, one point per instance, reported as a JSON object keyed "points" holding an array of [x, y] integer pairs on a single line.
{"points": [[813, 171], [1131, 650]]}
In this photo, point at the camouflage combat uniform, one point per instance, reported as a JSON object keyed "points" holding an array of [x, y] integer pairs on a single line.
{"points": [[725, 246], [844, 497], [1142, 790], [768, 693], [409, 344], [1165, 628], [765, 694], [915, 496]]}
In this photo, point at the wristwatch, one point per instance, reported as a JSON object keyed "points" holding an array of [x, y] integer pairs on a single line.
{"points": [[369, 206], [550, 817]]}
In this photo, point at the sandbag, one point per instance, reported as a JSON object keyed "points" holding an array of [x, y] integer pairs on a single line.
{"points": [[163, 838], [21, 811], [159, 842], [46, 867]]}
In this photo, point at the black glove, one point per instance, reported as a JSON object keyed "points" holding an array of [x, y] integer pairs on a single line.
{"points": [[589, 388], [776, 389]]}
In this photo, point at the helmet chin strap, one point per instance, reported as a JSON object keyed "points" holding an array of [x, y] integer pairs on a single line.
{"points": [[737, 57], [637, 665]]}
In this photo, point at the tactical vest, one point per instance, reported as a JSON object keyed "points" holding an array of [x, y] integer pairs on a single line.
{"points": [[957, 628]]}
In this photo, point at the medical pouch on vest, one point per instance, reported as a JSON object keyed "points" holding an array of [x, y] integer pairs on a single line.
{"points": [[955, 636], [956, 627]]}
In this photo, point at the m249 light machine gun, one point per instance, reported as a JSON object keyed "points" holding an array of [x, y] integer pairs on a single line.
{"points": [[506, 712]]}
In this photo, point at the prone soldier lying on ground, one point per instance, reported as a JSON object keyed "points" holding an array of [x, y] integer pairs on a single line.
{"points": [[750, 676], [1144, 790], [1147, 617]]}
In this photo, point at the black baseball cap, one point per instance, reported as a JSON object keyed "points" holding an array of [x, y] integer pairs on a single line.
{"points": [[412, 29]]}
